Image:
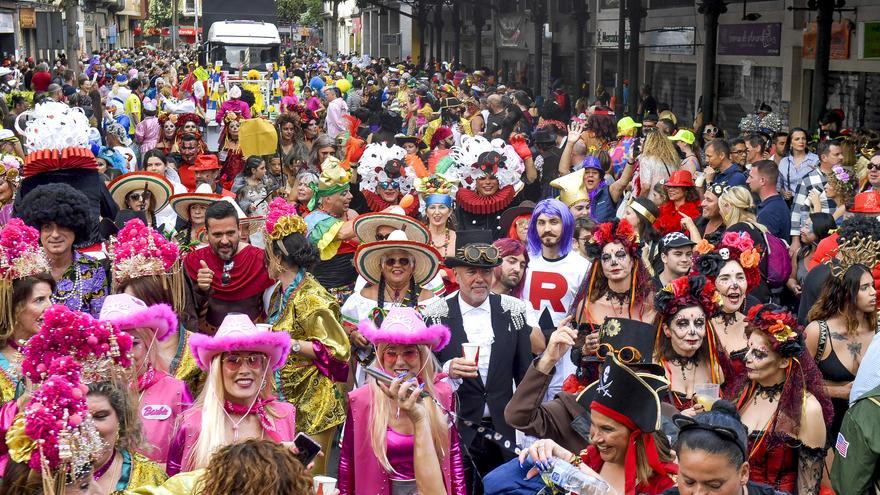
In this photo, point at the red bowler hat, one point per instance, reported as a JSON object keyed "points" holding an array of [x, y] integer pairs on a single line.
{"points": [[680, 178], [867, 202]]}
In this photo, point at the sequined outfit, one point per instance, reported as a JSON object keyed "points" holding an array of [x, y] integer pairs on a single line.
{"points": [[183, 365], [83, 286], [138, 471], [311, 314], [11, 385]]}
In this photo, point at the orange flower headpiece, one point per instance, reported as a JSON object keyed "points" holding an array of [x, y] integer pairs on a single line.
{"points": [[779, 325], [709, 259]]}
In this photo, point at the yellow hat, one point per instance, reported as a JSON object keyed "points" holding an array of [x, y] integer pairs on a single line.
{"points": [[571, 188], [626, 124]]}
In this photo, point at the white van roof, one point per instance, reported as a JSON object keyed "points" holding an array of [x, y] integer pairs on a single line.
{"points": [[244, 33]]}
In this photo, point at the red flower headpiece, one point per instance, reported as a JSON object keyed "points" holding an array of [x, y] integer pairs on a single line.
{"points": [[778, 324], [99, 347], [734, 246], [683, 292], [489, 162], [608, 232]]}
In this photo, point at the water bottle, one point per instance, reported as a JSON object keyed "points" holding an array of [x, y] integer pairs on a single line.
{"points": [[573, 480]]}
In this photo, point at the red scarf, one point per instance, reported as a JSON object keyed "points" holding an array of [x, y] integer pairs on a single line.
{"points": [[473, 202], [248, 276], [376, 203], [258, 408]]}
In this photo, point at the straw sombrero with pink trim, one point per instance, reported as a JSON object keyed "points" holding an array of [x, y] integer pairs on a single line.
{"points": [[404, 326]]}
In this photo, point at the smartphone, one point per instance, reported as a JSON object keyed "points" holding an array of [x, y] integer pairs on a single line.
{"points": [[308, 448], [385, 378], [636, 148]]}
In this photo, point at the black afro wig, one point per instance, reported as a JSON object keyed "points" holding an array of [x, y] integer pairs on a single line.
{"points": [[61, 204]]}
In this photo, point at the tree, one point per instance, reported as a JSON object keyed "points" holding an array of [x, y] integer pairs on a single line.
{"points": [[304, 12], [71, 17], [159, 14]]}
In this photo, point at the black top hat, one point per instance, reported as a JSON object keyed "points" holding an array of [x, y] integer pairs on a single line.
{"points": [[632, 341], [625, 396], [544, 136], [510, 214], [474, 248], [450, 103], [401, 139]]}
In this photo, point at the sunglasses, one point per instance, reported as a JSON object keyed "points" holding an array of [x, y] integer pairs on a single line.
{"points": [[233, 362], [146, 195], [389, 184], [472, 253], [227, 272], [710, 130], [408, 355], [626, 355], [403, 262], [873, 166], [606, 257]]}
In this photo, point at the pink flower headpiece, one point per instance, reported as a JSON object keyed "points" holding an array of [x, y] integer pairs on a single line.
{"points": [[99, 347], [709, 259], [56, 433], [20, 252], [282, 220], [140, 251], [404, 326]]}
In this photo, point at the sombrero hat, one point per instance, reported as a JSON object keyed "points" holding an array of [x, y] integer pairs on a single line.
{"points": [[365, 225], [202, 196], [157, 184], [368, 258]]}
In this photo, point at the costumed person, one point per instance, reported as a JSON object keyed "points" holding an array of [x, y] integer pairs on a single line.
{"points": [[330, 229], [168, 138], [490, 178], [230, 154], [782, 404], [641, 214], [732, 265], [300, 306], [58, 140], [61, 214], [26, 288], [233, 104], [190, 123], [450, 117], [683, 199], [627, 136], [161, 397], [628, 450], [253, 86], [291, 148], [386, 179], [148, 267], [144, 192], [148, 131], [190, 209], [415, 452], [237, 402], [686, 346], [436, 203], [300, 192], [585, 191], [617, 287], [10, 173]]}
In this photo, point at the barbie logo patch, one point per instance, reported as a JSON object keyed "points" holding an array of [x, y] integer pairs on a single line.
{"points": [[156, 412]]}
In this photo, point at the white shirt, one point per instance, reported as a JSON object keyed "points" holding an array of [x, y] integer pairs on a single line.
{"points": [[477, 322], [552, 285]]}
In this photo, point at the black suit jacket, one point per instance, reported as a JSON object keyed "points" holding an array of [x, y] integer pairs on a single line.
{"points": [[509, 361]]}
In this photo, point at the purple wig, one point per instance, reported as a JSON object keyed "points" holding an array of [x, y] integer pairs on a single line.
{"points": [[551, 208]]}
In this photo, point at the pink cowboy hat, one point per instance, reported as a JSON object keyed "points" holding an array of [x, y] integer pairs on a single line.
{"points": [[238, 333], [404, 326], [126, 312]]}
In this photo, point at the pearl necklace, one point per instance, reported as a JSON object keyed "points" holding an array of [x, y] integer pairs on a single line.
{"points": [[76, 289]]}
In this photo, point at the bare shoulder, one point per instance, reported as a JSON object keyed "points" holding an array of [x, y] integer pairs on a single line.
{"points": [[812, 431]]}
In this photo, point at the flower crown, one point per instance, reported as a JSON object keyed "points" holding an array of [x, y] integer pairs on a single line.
{"points": [[693, 290], [841, 179], [20, 252], [10, 167], [779, 324], [140, 251], [735, 246], [615, 231], [282, 220], [100, 348], [56, 435]]}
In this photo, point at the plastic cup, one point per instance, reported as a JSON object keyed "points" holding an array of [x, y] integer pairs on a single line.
{"points": [[471, 352], [324, 485], [706, 394], [264, 327]]}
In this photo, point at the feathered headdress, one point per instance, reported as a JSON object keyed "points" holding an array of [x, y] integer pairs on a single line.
{"points": [[56, 435], [380, 163], [102, 350], [478, 157], [58, 138], [709, 259]]}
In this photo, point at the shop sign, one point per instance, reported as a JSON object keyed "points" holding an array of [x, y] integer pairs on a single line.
{"points": [[27, 18], [754, 39], [510, 29], [677, 40], [7, 24], [840, 35], [869, 46], [606, 34]]}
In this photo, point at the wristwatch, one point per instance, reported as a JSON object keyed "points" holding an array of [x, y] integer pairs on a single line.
{"points": [[296, 347]]}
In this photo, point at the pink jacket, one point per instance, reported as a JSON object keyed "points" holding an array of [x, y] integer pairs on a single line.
{"points": [[234, 105], [190, 424], [146, 133], [366, 476], [160, 405]]}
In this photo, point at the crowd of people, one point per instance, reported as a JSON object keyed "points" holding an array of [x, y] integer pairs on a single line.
{"points": [[391, 279]]}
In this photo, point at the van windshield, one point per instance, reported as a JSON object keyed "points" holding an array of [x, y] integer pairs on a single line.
{"points": [[251, 57]]}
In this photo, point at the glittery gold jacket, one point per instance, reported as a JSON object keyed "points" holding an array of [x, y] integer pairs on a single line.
{"points": [[312, 314]]}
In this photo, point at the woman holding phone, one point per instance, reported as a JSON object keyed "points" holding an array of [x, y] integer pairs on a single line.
{"points": [[384, 451]]}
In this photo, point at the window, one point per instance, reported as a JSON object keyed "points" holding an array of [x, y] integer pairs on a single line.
{"points": [[740, 95]]}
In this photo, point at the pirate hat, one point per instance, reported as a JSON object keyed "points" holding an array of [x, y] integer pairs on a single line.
{"points": [[626, 396]]}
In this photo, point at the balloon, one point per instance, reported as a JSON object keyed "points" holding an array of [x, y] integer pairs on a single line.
{"points": [[344, 85], [316, 83], [406, 201]]}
